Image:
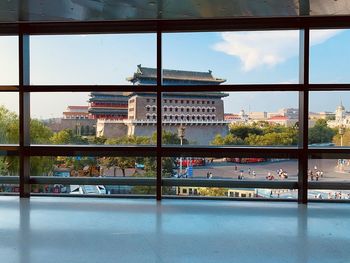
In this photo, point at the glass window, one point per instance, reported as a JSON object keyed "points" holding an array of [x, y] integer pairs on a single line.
{"points": [[239, 118], [93, 59], [9, 60], [329, 56], [9, 122], [214, 58], [108, 120]]}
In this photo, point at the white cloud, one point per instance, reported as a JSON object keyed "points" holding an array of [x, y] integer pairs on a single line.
{"points": [[267, 48]]}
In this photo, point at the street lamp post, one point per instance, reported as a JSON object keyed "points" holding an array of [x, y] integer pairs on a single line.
{"points": [[341, 133], [181, 134]]}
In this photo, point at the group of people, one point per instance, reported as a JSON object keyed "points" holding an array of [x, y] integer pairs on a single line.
{"points": [[241, 173], [315, 174], [338, 195], [209, 175]]}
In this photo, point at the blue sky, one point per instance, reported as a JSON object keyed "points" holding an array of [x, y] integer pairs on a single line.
{"points": [[240, 57]]}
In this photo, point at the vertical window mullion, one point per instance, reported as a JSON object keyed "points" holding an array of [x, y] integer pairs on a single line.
{"points": [[24, 114], [303, 114], [159, 115]]}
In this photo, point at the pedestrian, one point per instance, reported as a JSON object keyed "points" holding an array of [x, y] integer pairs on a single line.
{"points": [[254, 174], [241, 175], [208, 175], [271, 193], [236, 168], [312, 176], [249, 171]]}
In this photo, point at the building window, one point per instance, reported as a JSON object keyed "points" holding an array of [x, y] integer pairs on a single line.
{"points": [[213, 102], [154, 100], [147, 100], [184, 191], [182, 101], [175, 101], [176, 109], [213, 110], [165, 101]]}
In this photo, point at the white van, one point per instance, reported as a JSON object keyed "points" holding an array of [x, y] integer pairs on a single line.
{"points": [[88, 189]]}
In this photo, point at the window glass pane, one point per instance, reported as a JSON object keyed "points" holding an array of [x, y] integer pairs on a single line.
{"points": [[329, 170], [102, 118], [321, 194], [9, 60], [90, 59], [92, 166], [210, 58], [235, 168], [329, 56], [9, 124], [230, 118], [9, 166], [251, 193], [329, 119]]}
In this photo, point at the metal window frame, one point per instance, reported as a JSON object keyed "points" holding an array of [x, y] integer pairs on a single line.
{"points": [[302, 23]]}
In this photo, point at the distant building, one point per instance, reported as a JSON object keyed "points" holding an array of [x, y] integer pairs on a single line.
{"points": [[258, 116], [199, 112], [108, 105], [321, 115], [282, 120], [77, 119], [342, 118], [77, 112]]}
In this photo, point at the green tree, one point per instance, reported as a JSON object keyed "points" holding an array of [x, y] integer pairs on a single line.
{"points": [[9, 130], [9, 133], [229, 139], [212, 191], [321, 133], [67, 136], [243, 131]]}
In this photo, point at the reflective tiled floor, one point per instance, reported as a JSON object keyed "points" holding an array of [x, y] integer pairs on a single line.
{"points": [[123, 230]]}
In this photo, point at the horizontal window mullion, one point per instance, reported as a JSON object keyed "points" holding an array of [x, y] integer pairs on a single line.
{"points": [[92, 181], [9, 179], [9, 149], [329, 87], [89, 88], [229, 183], [329, 185], [175, 25], [88, 150], [89, 27], [329, 153], [9, 88]]}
